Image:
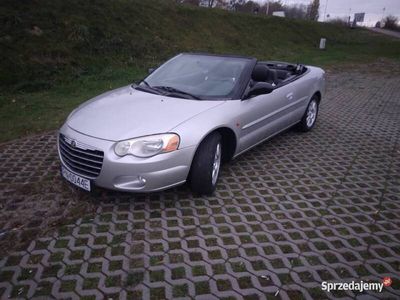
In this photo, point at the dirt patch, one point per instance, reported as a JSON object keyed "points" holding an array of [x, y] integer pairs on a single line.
{"points": [[35, 209], [33, 198]]}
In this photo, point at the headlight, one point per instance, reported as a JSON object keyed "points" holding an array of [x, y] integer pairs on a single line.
{"points": [[147, 146]]}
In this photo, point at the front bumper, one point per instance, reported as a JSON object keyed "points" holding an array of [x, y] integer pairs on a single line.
{"points": [[134, 174]]}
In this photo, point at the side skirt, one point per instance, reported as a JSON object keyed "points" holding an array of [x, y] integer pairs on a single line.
{"points": [[265, 139]]}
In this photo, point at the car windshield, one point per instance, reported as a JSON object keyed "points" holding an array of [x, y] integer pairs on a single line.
{"points": [[197, 76]]}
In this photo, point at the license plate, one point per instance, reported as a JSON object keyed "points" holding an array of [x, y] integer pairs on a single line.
{"points": [[76, 179]]}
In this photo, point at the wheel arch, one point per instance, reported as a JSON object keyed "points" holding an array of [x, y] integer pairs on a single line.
{"points": [[318, 95], [229, 142]]}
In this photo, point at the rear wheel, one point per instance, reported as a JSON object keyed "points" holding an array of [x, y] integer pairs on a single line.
{"points": [[310, 115], [206, 165]]}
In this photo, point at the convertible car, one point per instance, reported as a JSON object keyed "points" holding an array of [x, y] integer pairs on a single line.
{"points": [[183, 120]]}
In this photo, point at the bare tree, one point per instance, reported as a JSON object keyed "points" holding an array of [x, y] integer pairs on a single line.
{"points": [[313, 10], [248, 7], [236, 4], [296, 11], [269, 8], [211, 3], [191, 2], [275, 6], [391, 23], [221, 3]]}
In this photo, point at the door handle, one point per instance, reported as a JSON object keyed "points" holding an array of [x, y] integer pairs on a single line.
{"points": [[289, 96]]}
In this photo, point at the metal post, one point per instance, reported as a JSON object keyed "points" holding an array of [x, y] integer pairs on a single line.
{"points": [[326, 6], [349, 23]]}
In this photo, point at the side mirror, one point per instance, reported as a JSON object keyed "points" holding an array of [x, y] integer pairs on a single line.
{"points": [[260, 88], [151, 70]]}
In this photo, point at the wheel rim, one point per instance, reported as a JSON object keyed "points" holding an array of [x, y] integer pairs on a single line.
{"points": [[312, 113], [216, 164]]}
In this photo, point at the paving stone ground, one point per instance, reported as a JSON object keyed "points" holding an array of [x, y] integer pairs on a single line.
{"points": [[293, 212]]}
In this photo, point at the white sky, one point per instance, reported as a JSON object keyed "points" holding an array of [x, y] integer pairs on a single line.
{"points": [[342, 8]]}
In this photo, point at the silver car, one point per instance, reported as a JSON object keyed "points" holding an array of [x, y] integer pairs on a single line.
{"points": [[183, 120]]}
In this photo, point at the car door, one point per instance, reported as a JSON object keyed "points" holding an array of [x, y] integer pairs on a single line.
{"points": [[300, 89], [265, 115]]}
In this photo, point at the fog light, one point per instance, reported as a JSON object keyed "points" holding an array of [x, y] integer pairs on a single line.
{"points": [[130, 183], [142, 180]]}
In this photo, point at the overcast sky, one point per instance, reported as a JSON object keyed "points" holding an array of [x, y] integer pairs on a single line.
{"points": [[342, 8]]}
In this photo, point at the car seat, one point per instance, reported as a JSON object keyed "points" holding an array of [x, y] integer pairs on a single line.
{"points": [[262, 73]]}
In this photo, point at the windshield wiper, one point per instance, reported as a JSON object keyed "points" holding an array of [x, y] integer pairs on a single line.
{"points": [[173, 90], [146, 83], [145, 88]]}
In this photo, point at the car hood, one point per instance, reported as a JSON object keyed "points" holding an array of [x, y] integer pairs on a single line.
{"points": [[126, 113]]}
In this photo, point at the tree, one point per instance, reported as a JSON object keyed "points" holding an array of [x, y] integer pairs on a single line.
{"points": [[248, 7], [296, 11], [222, 4], [391, 23], [271, 7], [313, 10], [191, 2], [211, 3], [236, 4]]}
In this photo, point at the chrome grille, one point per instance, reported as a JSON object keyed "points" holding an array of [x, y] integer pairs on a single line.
{"points": [[82, 159]]}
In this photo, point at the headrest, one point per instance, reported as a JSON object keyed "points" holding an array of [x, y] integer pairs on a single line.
{"points": [[260, 73]]}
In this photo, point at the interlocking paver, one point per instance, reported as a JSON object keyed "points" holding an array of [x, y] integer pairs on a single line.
{"points": [[291, 213]]}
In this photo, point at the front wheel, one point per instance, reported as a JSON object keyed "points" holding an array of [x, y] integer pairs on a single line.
{"points": [[206, 165], [310, 115]]}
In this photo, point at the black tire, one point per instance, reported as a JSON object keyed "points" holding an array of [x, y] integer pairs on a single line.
{"points": [[200, 177], [303, 124]]}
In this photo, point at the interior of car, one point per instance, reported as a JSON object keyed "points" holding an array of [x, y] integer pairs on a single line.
{"points": [[276, 73]]}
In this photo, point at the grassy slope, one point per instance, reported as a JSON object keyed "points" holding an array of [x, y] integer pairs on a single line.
{"points": [[89, 46]]}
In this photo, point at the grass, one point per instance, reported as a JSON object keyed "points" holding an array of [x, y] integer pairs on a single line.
{"points": [[24, 113], [56, 54], [178, 273], [134, 279], [180, 290]]}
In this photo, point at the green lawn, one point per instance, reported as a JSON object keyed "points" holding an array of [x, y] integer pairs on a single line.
{"points": [[56, 54], [24, 113]]}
